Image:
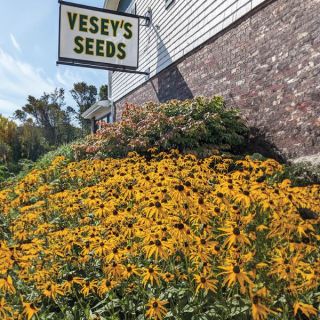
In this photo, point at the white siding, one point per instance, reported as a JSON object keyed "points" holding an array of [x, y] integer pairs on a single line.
{"points": [[175, 32]]}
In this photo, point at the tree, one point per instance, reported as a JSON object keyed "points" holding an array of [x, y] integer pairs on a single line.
{"points": [[32, 142], [103, 92], [8, 140], [85, 96], [48, 114]]}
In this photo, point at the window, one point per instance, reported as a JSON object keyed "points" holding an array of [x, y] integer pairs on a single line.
{"points": [[169, 3]]}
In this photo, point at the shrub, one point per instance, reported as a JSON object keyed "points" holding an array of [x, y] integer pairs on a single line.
{"points": [[175, 124]]}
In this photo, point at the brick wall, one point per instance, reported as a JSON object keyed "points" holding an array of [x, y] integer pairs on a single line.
{"points": [[267, 64]]}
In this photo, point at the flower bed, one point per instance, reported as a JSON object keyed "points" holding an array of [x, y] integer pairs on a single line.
{"points": [[171, 237]]}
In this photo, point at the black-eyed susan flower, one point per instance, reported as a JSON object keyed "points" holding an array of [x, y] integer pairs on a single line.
{"points": [[151, 274], [6, 284], [159, 248], [29, 310], [52, 290], [156, 309], [233, 274], [105, 286], [5, 309], [88, 287], [130, 270], [235, 235], [205, 282], [307, 309], [168, 277]]}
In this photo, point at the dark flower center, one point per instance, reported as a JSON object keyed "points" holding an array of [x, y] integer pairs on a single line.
{"points": [[180, 187], [188, 184], [155, 304], [69, 277], [203, 280], [158, 204], [236, 231], [236, 269], [255, 300], [180, 226]]}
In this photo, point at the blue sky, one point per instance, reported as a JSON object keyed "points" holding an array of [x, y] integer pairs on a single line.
{"points": [[28, 53]]}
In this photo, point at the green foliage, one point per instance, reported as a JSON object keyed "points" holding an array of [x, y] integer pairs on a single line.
{"points": [[300, 174], [4, 173], [177, 124], [103, 92], [85, 96], [65, 150], [45, 124], [48, 115]]}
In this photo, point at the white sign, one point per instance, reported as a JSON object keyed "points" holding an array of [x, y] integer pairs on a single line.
{"points": [[97, 36]]}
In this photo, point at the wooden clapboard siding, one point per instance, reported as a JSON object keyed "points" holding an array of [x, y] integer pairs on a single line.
{"points": [[176, 31]]}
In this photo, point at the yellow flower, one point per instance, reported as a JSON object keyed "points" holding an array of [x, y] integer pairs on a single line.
{"points": [[156, 309], [307, 309], [5, 309], [70, 281], [158, 248], [234, 236], [206, 282], [51, 290], [258, 309], [131, 270], [168, 277], [105, 286], [29, 310], [88, 286], [233, 273], [6, 284], [151, 274]]}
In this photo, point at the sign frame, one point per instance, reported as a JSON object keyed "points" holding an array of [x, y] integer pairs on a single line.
{"points": [[100, 65]]}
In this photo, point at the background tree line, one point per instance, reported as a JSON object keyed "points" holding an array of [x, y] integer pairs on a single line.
{"points": [[43, 124]]}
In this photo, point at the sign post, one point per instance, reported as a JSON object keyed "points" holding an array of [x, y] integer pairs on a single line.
{"points": [[98, 38]]}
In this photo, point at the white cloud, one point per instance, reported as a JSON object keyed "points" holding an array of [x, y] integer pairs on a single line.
{"points": [[19, 79], [68, 78], [7, 107], [15, 42]]}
